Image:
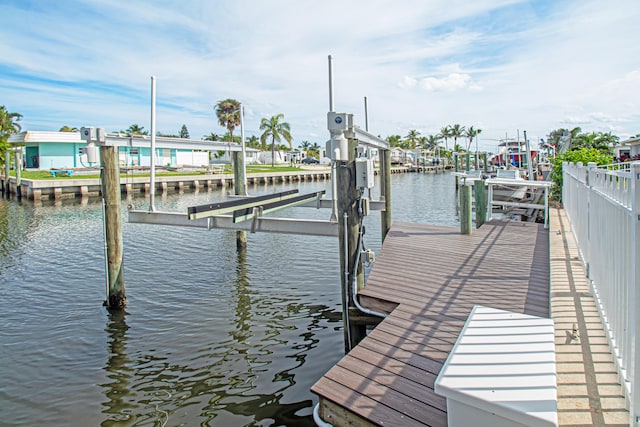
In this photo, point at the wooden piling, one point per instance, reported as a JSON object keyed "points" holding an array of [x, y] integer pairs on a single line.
{"points": [[385, 191], [116, 297], [18, 157], [240, 189], [7, 171], [465, 209], [480, 196], [347, 197]]}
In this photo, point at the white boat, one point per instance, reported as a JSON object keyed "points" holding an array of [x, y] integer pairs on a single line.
{"points": [[509, 185]]}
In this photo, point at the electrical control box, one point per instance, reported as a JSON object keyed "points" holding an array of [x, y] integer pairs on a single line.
{"points": [[88, 133], [364, 173], [339, 121]]}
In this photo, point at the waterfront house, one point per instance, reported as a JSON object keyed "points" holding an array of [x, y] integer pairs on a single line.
{"points": [[62, 150], [630, 147]]}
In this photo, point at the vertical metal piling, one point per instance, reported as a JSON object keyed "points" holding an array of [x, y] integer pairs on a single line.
{"points": [[347, 198], [116, 297], [239, 189], [385, 191]]}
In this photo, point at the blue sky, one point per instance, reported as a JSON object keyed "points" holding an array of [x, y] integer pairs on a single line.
{"points": [[500, 65]]}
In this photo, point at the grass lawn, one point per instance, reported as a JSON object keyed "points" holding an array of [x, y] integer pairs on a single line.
{"points": [[46, 175]]}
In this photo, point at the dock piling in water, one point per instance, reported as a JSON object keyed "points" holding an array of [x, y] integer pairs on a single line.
{"points": [[116, 297], [239, 189], [348, 195], [7, 172]]}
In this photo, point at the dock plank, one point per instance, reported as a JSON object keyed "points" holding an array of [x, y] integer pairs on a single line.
{"points": [[434, 276]]}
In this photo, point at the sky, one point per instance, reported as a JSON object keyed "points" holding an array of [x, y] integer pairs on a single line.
{"points": [[503, 66]]}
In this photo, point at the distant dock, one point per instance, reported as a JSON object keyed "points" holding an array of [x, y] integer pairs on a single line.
{"points": [[78, 187]]}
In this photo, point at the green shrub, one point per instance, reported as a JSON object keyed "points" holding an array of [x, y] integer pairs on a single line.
{"points": [[584, 155]]}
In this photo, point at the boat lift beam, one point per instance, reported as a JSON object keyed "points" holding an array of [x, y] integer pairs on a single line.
{"points": [[203, 211], [251, 212], [374, 205], [225, 222]]}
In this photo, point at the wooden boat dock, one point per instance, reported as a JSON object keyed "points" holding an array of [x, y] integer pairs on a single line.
{"points": [[429, 278]]}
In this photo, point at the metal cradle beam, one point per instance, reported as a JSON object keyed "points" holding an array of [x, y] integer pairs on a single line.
{"points": [[225, 222]]}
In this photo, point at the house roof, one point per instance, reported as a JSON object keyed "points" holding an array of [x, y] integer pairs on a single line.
{"points": [[631, 141], [124, 140]]}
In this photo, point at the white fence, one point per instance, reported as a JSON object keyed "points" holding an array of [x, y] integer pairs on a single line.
{"points": [[603, 206]]}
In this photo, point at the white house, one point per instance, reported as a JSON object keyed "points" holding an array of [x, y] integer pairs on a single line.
{"points": [[631, 146]]}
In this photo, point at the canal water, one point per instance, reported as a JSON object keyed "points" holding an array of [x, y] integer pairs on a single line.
{"points": [[209, 337]]}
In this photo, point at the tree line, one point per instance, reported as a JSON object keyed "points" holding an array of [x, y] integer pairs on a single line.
{"points": [[414, 139], [568, 144]]}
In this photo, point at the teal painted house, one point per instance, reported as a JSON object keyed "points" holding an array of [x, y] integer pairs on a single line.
{"points": [[62, 150]]}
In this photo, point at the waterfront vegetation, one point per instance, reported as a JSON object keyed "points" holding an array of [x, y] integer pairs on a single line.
{"points": [[568, 145], [573, 146], [8, 126]]}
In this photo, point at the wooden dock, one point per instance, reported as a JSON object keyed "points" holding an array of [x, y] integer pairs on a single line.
{"points": [[428, 278]]}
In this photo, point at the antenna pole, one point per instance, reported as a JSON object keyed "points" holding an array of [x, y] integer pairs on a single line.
{"points": [[366, 115], [152, 169], [331, 105]]}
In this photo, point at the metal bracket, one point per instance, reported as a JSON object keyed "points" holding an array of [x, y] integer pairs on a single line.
{"points": [[257, 213]]}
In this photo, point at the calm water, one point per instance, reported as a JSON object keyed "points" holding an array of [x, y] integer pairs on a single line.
{"points": [[209, 337]]}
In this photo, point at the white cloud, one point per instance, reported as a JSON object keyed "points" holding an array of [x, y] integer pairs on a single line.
{"points": [[408, 82], [453, 81]]}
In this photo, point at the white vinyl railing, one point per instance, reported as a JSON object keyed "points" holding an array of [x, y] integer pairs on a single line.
{"points": [[603, 206]]}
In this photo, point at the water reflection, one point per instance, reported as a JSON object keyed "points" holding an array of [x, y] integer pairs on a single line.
{"points": [[247, 379], [119, 371]]}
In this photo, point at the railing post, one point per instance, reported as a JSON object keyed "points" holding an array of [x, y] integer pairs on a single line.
{"points": [[635, 265], [586, 253]]}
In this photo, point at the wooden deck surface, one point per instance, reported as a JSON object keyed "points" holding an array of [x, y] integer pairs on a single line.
{"points": [[429, 278]]}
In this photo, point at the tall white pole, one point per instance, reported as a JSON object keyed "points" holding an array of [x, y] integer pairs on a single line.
{"points": [[152, 166], [366, 115], [529, 163], [244, 152], [331, 105], [334, 184]]}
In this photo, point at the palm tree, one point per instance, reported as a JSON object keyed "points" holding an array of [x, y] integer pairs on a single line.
{"points": [[211, 137], [315, 150], [228, 113], [304, 146], [8, 126], [136, 129], [456, 132], [253, 142], [471, 133], [394, 140], [275, 129], [445, 133], [412, 138], [431, 142]]}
